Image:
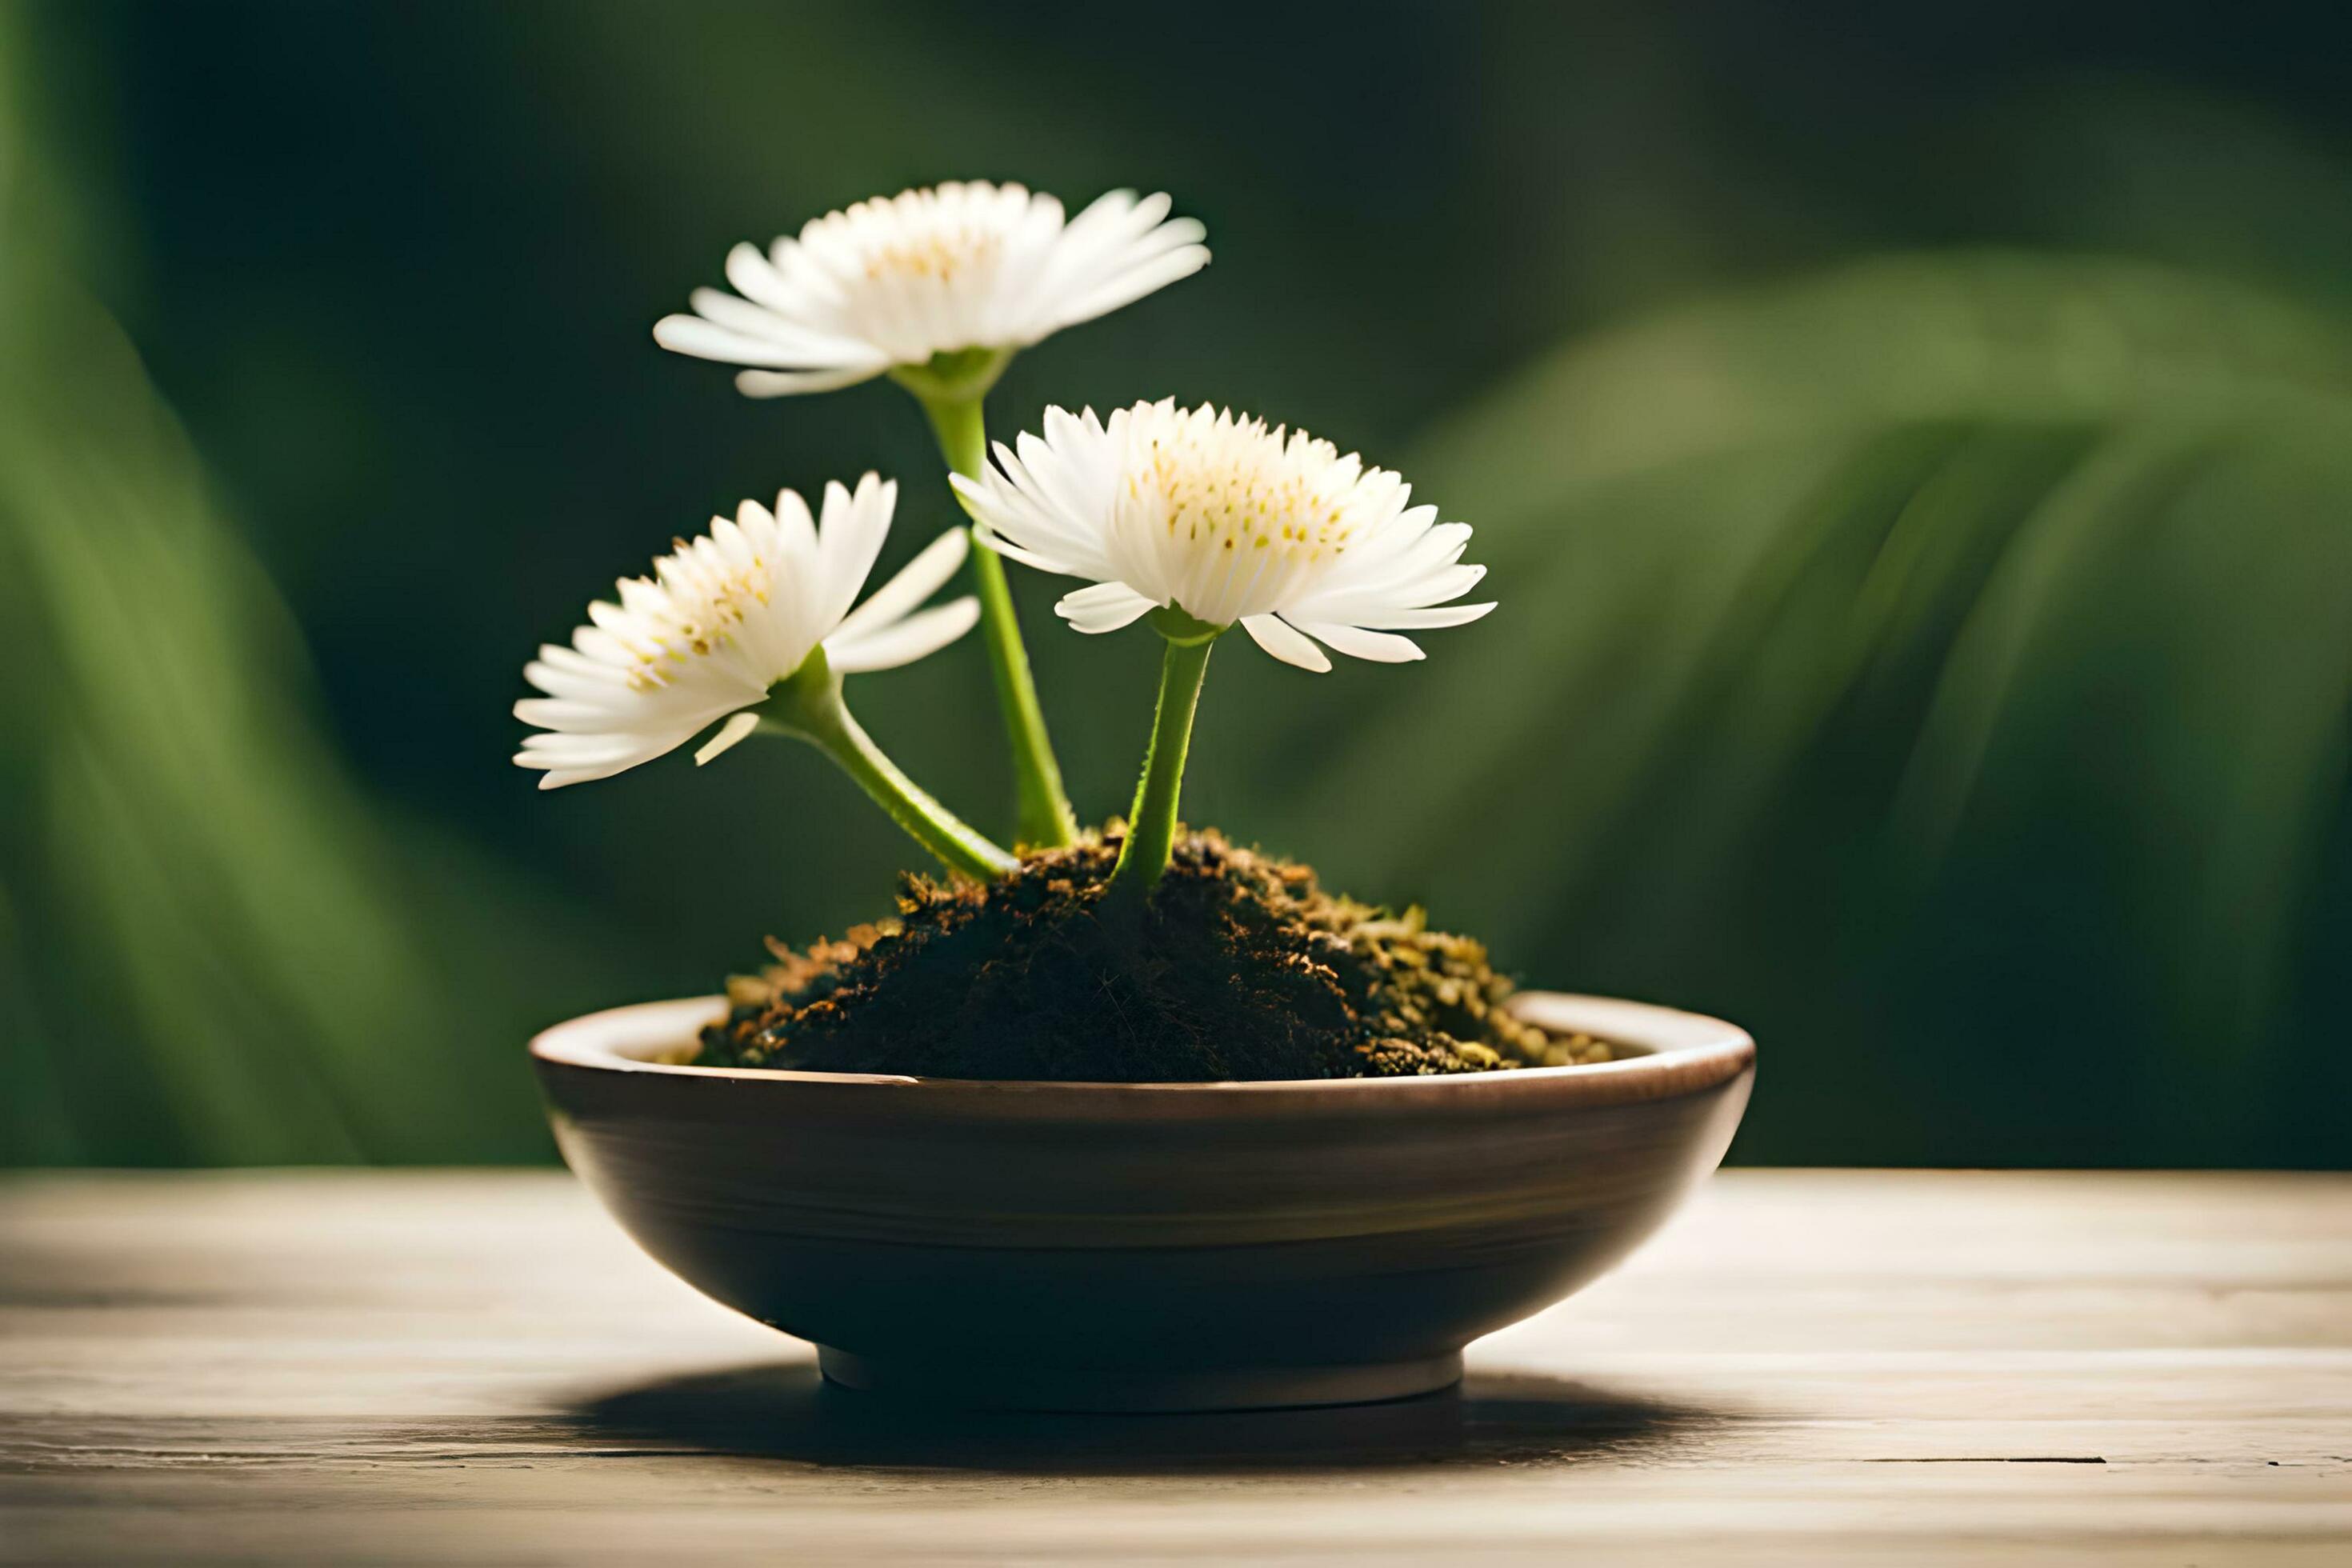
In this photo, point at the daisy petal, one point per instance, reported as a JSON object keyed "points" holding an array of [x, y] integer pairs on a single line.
{"points": [[1105, 608], [1428, 616], [904, 641], [786, 383], [731, 733], [925, 574], [1276, 637], [1380, 648]]}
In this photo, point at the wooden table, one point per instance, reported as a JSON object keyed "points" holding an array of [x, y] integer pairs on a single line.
{"points": [[1808, 1367]]}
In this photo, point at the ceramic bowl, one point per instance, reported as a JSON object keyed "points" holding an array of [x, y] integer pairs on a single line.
{"points": [[1143, 1246]]}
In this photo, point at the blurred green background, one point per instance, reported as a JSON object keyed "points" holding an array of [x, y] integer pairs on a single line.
{"points": [[1913, 446]]}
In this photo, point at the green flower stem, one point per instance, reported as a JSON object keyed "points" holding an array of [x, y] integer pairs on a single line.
{"points": [[809, 707], [1151, 826], [1044, 816]]}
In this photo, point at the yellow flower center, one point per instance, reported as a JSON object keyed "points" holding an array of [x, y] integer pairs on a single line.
{"points": [[921, 235], [689, 609], [1234, 486]]}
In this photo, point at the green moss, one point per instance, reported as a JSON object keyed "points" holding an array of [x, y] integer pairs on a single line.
{"points": [[1239, 967]]}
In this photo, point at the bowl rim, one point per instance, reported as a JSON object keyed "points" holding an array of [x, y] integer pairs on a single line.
{"points": [[1677, 1053]]}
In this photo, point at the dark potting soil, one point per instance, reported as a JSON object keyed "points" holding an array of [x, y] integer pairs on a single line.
{"points": [[1237, 967]]}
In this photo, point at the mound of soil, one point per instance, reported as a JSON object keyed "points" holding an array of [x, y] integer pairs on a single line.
{"points": [[1238, 967]]}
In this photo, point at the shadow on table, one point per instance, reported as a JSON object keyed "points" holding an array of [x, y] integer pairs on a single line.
{"points": [[787, 1412]]}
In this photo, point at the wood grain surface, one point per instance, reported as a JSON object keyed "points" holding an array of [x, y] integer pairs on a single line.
{"points": [[1805, 1368]]}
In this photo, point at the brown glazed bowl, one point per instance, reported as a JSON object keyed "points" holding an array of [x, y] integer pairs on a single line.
{"points": [[1143, 1246]]}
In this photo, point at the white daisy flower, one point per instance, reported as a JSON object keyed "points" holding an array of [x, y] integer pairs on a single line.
{"points": [[1227, 521], [893, 281], [722, 620]]}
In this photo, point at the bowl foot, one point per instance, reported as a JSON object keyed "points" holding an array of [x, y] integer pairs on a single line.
{"points": [[993, 1387]]}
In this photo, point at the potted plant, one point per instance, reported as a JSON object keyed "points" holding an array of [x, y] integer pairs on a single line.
{"points": [[1135, 1117]]}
